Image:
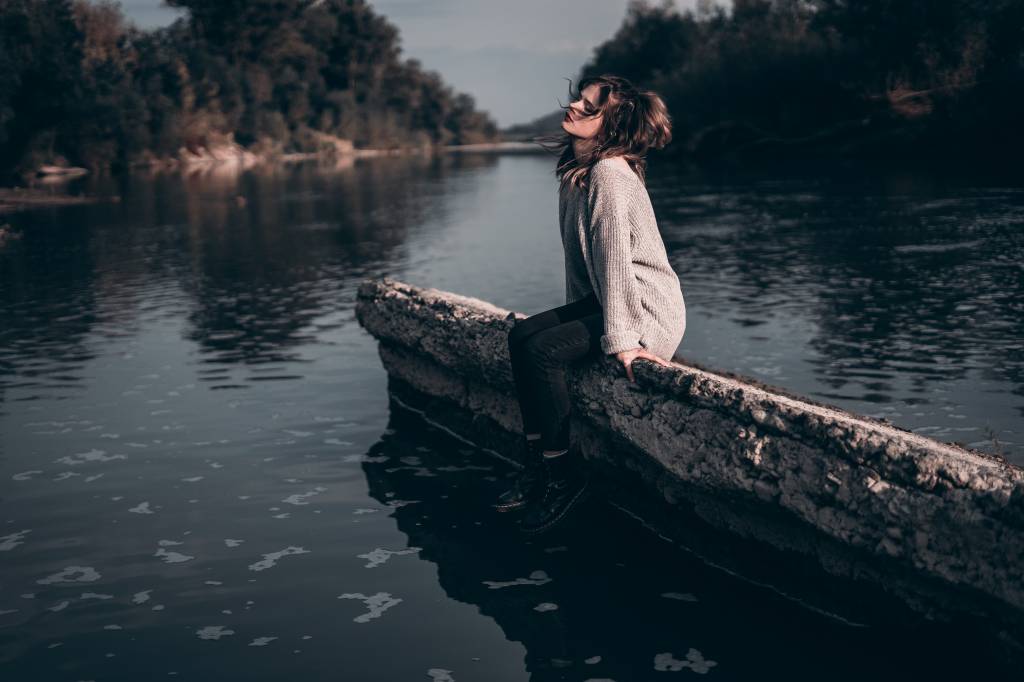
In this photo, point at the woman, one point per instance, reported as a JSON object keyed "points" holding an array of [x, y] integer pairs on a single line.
{"points": [[622, 297]]}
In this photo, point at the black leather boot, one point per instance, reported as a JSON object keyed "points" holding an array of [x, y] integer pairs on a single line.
{"points": [[566, 486], [528, 484]]}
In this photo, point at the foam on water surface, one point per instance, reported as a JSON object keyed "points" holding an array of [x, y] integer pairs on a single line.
{"points": [[694, 661], [379, 556], [9, 542], [376, 603], [536, 578], [270, 560], [72, 574]]}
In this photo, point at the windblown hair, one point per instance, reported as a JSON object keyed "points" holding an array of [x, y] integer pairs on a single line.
{"points": [[634, 121]]}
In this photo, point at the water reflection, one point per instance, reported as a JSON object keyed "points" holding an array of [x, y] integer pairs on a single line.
{"points": [[594, 599], [257, 263], [270, 250], [48, 304]]}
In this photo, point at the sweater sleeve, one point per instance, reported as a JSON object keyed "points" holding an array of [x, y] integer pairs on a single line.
{"points": [[613, 259]]}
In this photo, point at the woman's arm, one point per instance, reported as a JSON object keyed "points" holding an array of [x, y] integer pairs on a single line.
{"points": [[612, 258], [612, 254]]}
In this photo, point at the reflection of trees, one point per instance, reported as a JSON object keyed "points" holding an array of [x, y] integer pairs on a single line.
{"points": [[48, 306], [897, 284], [272, 250], [263, 254]]}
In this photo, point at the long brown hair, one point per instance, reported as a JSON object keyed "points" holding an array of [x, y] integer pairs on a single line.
{"points": [[634, 121]]}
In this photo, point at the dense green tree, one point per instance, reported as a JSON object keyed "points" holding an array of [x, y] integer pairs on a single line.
{"points": [[769, 77], [830, 77], [41, 59], [651, 41], [278, 75]]}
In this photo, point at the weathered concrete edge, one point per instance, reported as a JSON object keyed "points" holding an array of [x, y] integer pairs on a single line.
{"points": [[766, 545], [939, 509]]}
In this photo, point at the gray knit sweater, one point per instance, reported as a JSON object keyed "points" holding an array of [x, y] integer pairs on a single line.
{"points": [[614, 249]]}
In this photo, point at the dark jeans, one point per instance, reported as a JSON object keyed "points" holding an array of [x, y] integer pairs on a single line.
{"points": [[541, 348]]}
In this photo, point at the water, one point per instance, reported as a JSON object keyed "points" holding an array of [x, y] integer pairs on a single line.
{"points": [[200, 477]]}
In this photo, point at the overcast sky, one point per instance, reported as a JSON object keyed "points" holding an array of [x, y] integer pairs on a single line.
{"points": [[512, 56]]}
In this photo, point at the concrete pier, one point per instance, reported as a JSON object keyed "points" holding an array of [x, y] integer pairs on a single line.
{"points": [[940, 526]]}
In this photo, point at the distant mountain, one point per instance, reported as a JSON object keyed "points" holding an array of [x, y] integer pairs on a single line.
{"points": [[523, 132]]}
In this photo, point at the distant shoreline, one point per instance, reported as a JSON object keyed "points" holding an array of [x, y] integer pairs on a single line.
{"points": [[509, 147], [14, 199], [229, 153], [23, 198]]}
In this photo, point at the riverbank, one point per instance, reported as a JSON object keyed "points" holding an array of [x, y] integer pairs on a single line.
{"points": [[229, 154], [228, 157], [24, 198]]}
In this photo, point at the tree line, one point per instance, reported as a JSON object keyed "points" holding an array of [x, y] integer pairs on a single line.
{"points": [[794, 78], [275, 76]]}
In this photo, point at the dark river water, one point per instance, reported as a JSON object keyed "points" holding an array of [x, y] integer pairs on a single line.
{"points": [[200, 477]]}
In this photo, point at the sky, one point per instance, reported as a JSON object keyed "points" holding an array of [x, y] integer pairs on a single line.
{"points": [[512, 56]]}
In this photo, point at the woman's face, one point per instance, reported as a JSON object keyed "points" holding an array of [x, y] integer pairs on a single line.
{"points": [[583, 120]]}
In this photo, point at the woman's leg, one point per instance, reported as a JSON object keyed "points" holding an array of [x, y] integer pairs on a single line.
{"points": [[522, 362], [533, 481], [550, 352]]}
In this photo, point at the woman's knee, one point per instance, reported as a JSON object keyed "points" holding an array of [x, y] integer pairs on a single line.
{"points": [[517, 342], [546, 347], [516, 336], [528, 327]]}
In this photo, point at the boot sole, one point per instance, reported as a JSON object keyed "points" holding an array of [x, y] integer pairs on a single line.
{"points": [[508, 506], [511, 506], [568, 508]]}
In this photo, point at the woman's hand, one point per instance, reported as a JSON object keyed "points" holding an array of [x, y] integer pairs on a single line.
{"points": [[627, 357]]}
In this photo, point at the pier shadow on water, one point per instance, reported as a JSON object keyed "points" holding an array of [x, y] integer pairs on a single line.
{"points": [[601, 598]]}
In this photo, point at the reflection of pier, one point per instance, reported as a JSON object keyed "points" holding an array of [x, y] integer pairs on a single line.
{"points": [[472, 555], [939, 525]]}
